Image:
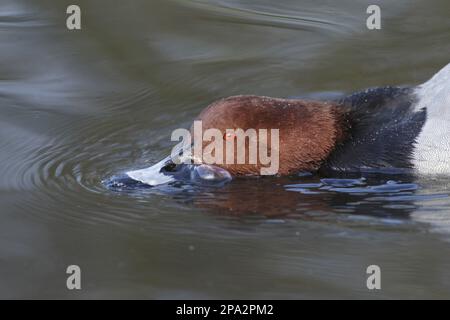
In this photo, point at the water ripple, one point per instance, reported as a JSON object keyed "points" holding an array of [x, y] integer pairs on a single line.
{"points": [[274, 19]]}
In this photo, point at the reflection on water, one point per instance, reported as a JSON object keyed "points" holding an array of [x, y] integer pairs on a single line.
{"points": [[77, 107]]}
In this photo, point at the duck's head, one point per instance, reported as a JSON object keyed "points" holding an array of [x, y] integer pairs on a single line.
{"points": [[298, 135], [291, 136]]}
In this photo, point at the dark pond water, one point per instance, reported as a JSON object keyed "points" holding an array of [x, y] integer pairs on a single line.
{"points": [[77, 107]]}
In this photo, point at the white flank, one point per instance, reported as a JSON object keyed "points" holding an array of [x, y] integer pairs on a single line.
{"points": [[432, 150]]}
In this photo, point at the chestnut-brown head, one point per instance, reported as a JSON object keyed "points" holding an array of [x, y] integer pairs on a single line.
{"points": [[307, 131]]}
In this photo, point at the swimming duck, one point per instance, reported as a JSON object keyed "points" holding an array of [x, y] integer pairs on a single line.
{"points": [[378, 129]]}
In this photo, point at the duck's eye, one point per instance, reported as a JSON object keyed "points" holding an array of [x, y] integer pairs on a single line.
{"points": [[229, 136]]}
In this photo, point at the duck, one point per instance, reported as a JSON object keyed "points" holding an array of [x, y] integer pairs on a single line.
{"points": [[377, 129]]}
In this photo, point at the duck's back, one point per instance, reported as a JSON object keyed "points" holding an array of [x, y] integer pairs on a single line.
{"points": [[402, 128]]}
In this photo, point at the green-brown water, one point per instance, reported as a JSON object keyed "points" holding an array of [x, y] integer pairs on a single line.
{"points": [[77, 107]]}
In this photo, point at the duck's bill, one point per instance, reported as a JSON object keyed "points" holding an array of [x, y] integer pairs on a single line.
{"points": [[167, 171]]}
